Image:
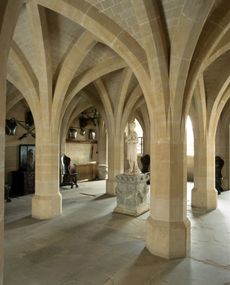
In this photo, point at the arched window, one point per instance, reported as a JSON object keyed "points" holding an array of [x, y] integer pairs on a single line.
{"points": [[190, 137]]}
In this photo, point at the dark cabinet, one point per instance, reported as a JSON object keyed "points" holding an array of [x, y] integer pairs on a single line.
{"points": [[23, 183]]}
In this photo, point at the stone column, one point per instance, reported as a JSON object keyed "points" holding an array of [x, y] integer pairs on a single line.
{"points": [[47, 202], [168, 229], [2, 170], [222, 146], [204, 194], [8, 19], [102, 166], [115, 161]]}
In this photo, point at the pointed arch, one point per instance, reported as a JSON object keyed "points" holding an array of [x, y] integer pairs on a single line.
{"points": [[71, 63], [205, 51], [42, 54], [11, 103], [107, 31], [106, 101], [94, 73], [191, 22], [155, 40], [135, 96], [24, 70]]}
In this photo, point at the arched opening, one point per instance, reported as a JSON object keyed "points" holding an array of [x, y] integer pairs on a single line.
{"points": [[190, 157], [80, 143], [189, 149], [19, 149]]}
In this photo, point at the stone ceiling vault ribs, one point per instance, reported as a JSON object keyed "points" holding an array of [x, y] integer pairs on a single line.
{"points": [[76, 103], [99, 53], [201, 106], [100, 70], [40, 39], [113, 83], [106, 31], [215, 76], [19, 75], [218, 107], [122, 91], [68, 69], [107, 104], [24, 69], [214, 30], [121, 12], [129, 106], [13, 96], [23, 36], [155, 41], [189, 29], [63, 33]]}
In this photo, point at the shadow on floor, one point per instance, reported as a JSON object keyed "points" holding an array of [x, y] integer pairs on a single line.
{"points": [[145, 269], [104, 196], [22, 222]]}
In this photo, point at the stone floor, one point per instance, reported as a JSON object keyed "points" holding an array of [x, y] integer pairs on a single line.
{"points": [[91, 245]]}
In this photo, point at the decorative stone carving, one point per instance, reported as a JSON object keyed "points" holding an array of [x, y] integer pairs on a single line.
{"points": [[132, 193]]}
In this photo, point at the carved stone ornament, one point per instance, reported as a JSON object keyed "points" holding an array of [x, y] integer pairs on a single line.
{"points": [[132, 193]]}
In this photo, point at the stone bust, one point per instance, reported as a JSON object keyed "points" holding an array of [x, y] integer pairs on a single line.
{"points": [[132, 141]]}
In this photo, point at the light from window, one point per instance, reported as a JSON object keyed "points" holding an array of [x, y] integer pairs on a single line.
{"points": [[190, 137], [139, 131]]}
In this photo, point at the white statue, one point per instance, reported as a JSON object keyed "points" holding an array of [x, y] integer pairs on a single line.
{"points": [[132, 141]]}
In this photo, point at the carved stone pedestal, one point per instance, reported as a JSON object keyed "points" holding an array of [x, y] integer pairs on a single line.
{"points": [[132, 194]]}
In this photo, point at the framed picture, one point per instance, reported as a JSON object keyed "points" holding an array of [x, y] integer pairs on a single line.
{"points": [[27, 157]]}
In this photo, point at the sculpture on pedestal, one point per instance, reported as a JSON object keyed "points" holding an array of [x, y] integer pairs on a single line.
{"points": [[131, 187], [132, 141]]}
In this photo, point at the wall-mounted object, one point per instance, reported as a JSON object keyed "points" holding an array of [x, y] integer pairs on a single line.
{"points": [[92, 135], [11, 126], [28, 125], [72, 134]]}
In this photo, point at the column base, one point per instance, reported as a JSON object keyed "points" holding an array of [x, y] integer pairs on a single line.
{"points": [[205, 200], [111, 187], [46, 207], [168, 239], [141, 209]]}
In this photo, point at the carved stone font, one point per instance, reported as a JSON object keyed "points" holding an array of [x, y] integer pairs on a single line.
{"points": [[132, 193]]}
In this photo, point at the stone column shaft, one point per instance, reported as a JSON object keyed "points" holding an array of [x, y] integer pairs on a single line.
{"points": [[204, 194], [102, 148], [47, 202], [168, 229], [115, 162], [2, 172], [8, 19]]}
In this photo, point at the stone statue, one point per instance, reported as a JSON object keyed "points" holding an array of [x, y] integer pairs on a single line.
{"points": [[132, 141]]}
